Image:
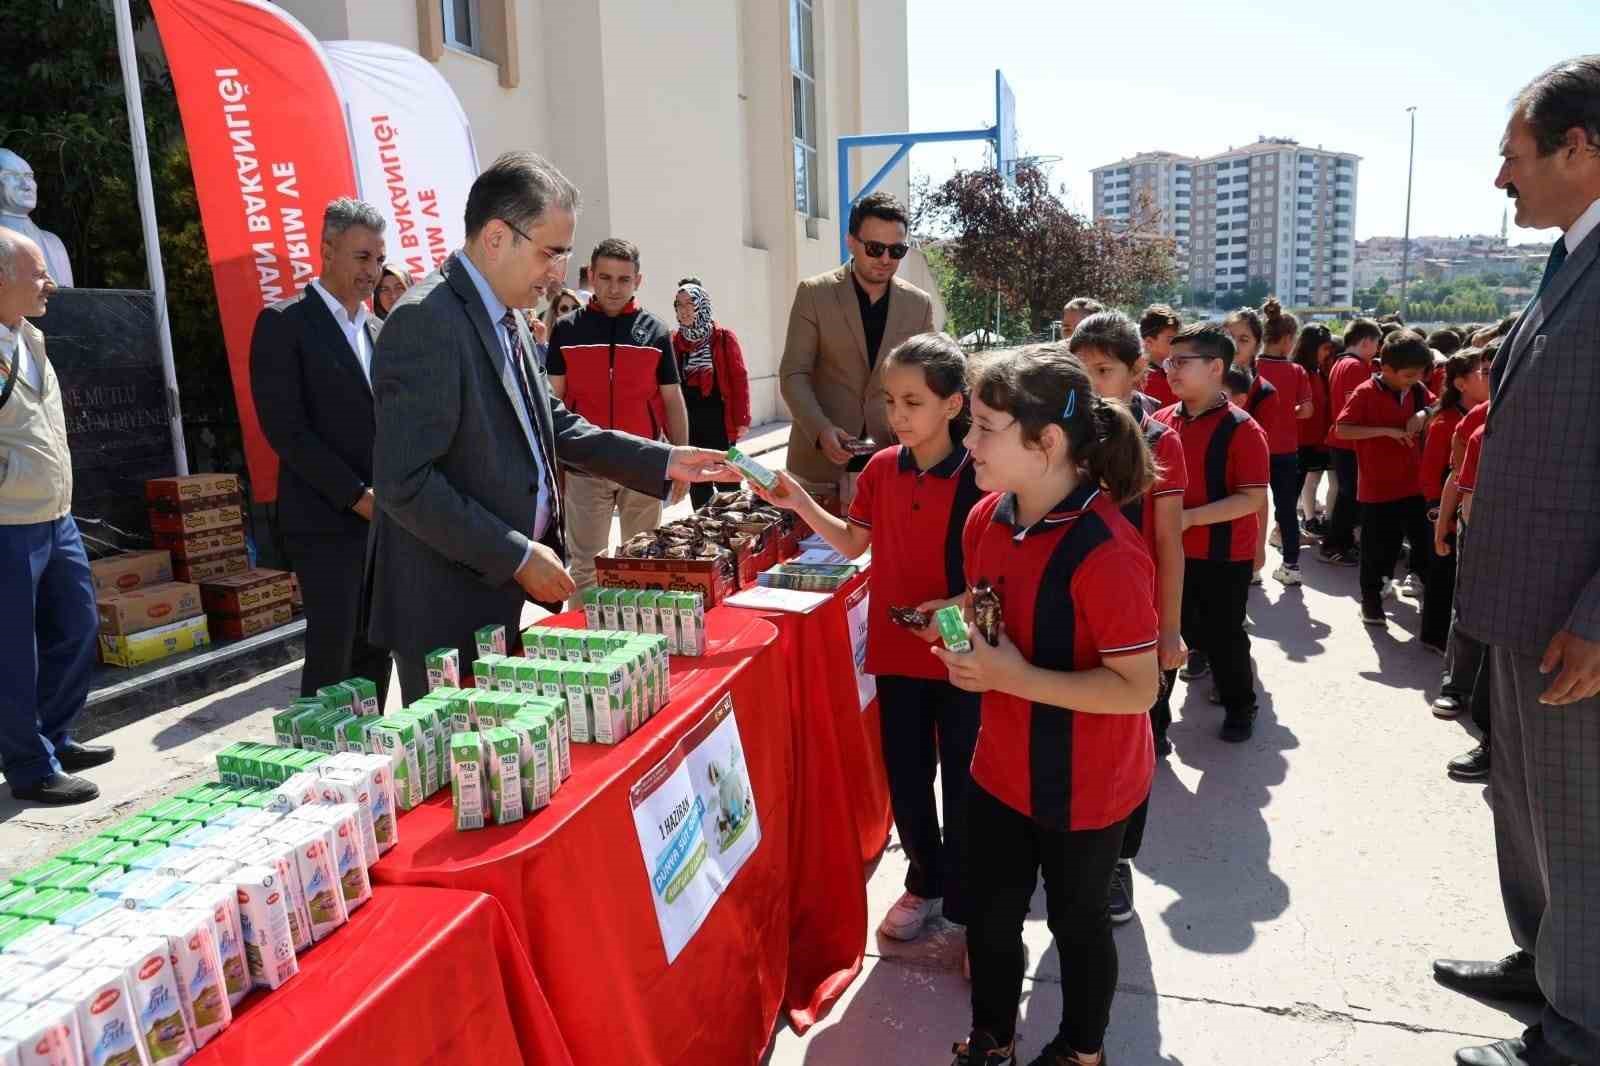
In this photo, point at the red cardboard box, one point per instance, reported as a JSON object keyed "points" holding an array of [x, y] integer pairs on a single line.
{"points": [[247, 592], [157, 605], [207, 520], [200, 571], [170, 491], [130, 570], [192, 546], [715, 579], [249, 624]]}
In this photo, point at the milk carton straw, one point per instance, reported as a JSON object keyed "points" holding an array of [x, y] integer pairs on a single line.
{"points": [[264, 925]]}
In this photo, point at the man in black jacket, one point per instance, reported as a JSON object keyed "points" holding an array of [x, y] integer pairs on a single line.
{"points": [[310, 372]]}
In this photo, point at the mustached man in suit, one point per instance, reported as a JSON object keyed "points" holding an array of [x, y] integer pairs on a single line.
{"points": [[310, 373], [1528, 587], [469, 523]]}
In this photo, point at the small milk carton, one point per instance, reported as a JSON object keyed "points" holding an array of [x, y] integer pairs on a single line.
{"points": [[491, 640], [610, 614], [218, 905], [605, 686], [264, 926], [575, 684], [398, 740], [365, 692], [106, 1022], [591, 607], [667, 620], [197, 965], [527, 671], [505, 674], [45, 1034], [953, 629], [572, 648], [344, 819], [628, 609], [691, 624], [752, 470], [278, 855], [157, 1003], [349, 784], [319, 875], [300, 789], [533, 735], [467, 780], [649, 619], [337, 698], [503, 754], [483, 671], [444, 668]]}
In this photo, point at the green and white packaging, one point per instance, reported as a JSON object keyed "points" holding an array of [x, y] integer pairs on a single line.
{"points": [[503, 754]]}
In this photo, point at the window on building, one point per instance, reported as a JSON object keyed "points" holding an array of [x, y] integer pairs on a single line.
{"points": [[461, 25], [803, 79]]}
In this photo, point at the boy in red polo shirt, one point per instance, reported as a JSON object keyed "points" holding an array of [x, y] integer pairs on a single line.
{"points": [[1225, 453], [1344, 374], [1383, 418], [1064, 752], [1295, 403], [1157, 326], [912, 500]]}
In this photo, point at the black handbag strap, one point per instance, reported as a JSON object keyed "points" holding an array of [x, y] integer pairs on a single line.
{"points": [[16, 372]]}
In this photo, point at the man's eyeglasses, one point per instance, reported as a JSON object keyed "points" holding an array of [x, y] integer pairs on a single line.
{"points": [[554, 257], [875, 249]]}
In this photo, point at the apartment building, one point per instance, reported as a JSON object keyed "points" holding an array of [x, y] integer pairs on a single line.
{"points": [[1274, 210]]}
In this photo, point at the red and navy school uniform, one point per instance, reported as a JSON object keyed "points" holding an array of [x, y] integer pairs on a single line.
{"points": [[1388, 486], [927, 724], [1436, 451], [1263, 403], [1469, 425], [1467, 477], [1076, 588], [1312, 433], [1225, 452], [1294, 389], [1157, 387], [1171, 469]]}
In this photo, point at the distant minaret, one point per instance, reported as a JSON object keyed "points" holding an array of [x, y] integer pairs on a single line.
{"points": [[1504, 212]]}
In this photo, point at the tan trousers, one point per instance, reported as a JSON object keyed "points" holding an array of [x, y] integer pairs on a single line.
{"points": [[590, 503]]}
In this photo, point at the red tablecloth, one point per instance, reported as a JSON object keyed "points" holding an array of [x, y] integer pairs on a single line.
{"points": [[574, 884], [420, 975]]}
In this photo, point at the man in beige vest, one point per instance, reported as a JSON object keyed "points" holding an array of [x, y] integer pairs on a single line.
{"points": [[47, 624], [841, 326]]}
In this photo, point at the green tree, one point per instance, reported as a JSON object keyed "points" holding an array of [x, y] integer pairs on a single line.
{"points": [[969, 308]]}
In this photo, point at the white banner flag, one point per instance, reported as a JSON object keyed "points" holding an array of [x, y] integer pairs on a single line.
{"points": [[695, 814], [414, 155]]}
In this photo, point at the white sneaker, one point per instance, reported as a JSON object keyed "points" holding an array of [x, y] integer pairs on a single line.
{"points": [[1413, 586], [1390, 589], [1255, 578], [1286, 575], [1275, 538], [907, 917]]}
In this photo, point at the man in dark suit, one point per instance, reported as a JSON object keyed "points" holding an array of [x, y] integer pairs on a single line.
{"points": [[310, 369], [469, 523], [1529, 588]]}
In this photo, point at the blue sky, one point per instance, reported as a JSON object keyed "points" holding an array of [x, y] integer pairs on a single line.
{"points": [[1096, 82]]}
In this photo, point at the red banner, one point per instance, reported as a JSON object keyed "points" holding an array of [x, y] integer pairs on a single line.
{"points": [[269, 146]]}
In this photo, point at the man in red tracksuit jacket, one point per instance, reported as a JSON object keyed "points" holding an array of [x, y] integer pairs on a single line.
{"points": [[612, 363]]}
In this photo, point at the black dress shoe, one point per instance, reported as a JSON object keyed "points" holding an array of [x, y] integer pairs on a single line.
{"points": [[58, 790], [1530, 1049], [1472, 766], [1510, 978], [74, 756]]}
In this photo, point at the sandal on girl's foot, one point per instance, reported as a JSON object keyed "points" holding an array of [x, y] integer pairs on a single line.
{"points": [[981, 1049]]}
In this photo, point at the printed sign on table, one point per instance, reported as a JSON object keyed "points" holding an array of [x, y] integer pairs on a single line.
{"points": [[695, 814], [856, 615]]}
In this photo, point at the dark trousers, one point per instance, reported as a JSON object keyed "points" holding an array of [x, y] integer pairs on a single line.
{"points": [[329, 569], [708, 428], [930, 726], [1215, 593], [48, 628], [1008, 851], [1160, 722], [1438, 597], [1285, 478], [1384, 526], [1342, 522], [412, 670], [1482, 694]]}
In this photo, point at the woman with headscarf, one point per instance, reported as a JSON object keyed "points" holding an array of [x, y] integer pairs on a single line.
{"points": [[716, 385], [392, 284]]}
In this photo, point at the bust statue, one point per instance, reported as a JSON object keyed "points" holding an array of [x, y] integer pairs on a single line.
{"points": [[19, 195]]}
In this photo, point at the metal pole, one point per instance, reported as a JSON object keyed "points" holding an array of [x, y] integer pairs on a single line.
{"points": [[1405, 247], [147, 219]]}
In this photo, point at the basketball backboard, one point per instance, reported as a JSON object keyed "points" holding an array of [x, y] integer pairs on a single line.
{"points": [[1005, 121]]}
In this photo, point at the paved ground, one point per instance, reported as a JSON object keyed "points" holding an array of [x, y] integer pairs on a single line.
{"points": [[1290, 896]]}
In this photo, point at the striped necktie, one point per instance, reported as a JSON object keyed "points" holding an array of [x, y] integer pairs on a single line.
{"points": [[1558, 255]]}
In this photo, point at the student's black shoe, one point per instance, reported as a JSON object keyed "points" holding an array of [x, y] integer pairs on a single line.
{"points": [[1238, 728], [1530, 1049], [58, 790], [1197, 666], [981, 1049], [1473, 766], [1122, 892], [1447, 706], [1059, 1053], [1372, 613], [1317, 527], [1337, 557], [1509, 978], [75, 757]]}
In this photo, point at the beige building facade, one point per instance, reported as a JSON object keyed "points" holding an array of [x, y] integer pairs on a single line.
{"points": [[702, 131]]}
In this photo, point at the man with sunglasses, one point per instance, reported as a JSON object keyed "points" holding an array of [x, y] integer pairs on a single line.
{"points": [[469, 435], [840, 325]]}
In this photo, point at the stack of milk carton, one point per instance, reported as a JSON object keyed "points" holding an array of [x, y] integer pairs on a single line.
{"points": [[150, 964]]}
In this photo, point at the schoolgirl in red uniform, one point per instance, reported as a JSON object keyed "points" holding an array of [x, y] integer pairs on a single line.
{"points": [[1064, 752]]}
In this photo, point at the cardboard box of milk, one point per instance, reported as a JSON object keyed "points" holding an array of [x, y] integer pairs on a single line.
{"points": [[157, 1005], [197, 965], [106, 1023], [467, 780], [219, 905], [264, 927], [502, 752]]}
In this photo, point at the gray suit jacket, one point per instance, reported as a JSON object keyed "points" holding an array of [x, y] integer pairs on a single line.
{"points": [[1530, 564], [454, 469]]}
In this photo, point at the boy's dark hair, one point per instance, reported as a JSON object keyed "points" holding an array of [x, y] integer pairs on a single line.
{"points": [[1362, 329], [690, 280], [944, 370], [1237, 379], [1404, 349], [1208, 339], [1564, 96], [615, 248], [1446, 342], [1110, 332], [1156, 318], [1044, 385], [1386, 328], [1280, 323], [1392, 318], [517, 188], [879, 205]]}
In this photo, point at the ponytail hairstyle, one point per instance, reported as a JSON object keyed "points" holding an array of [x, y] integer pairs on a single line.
{"points": [[944, 371], [1044, 385], [1250, 317], [1281, 325], [1457, 366], [1309, 346]]}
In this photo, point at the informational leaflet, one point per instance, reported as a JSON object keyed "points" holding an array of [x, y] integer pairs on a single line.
{"points": [[767, 598], [695, 813], [856, 616]]}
